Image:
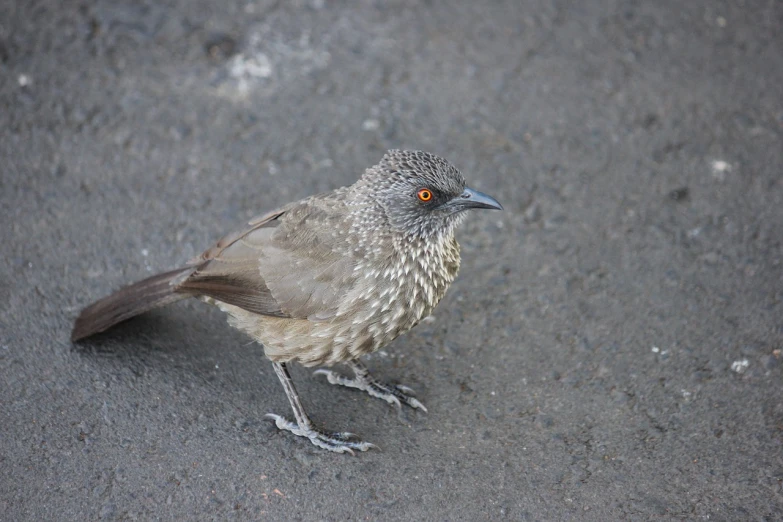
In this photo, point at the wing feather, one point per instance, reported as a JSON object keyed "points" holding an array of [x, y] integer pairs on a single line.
{"points": [[289, 263]]}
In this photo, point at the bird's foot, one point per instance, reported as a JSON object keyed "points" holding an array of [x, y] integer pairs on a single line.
{"points": [[342, 442], [395, 394]]}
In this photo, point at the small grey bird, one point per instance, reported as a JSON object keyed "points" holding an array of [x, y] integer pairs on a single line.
{"points": [[326, 279]]}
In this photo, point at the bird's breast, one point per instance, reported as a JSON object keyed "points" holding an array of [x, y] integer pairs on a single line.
{"points": [[394, 296]]}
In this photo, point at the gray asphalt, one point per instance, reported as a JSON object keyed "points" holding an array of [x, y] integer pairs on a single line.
{"points": [[610, 351]]}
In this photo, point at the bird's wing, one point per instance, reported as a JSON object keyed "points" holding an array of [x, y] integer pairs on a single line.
{"points": [[228, 271], [309, 264], [268, 220], [285, 265]]}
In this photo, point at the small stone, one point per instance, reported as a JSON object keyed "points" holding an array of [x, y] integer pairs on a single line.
{"points": [[740, 366], [219, 47], [371, 124], [679, 194], [719, 169]]}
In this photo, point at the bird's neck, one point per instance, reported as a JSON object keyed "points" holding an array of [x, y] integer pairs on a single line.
{"points": [[431, 265]]}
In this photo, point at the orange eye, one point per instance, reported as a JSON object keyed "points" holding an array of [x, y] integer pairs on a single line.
{"points": [[424, 194]]}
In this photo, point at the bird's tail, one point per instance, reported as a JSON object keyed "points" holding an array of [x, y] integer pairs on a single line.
{"points": [[128, 302]]}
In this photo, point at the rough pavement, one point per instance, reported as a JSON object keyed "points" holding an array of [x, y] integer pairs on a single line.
{"points": [[610, 351]]}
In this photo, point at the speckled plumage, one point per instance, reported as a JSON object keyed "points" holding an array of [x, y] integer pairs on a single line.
{"points": [[349, 274], [376, 291], [329, 278], [385, 300]]}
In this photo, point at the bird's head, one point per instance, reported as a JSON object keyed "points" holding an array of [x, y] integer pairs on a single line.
{"points": [[422, 194]]}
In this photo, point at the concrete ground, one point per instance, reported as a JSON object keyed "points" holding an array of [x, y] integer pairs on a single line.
{"points": [[610, 351]]}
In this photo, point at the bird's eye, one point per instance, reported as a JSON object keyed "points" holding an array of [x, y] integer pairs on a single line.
{"points": [[424, 194]]}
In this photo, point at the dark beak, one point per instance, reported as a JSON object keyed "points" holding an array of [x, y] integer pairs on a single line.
{"points": [[474, 199]]}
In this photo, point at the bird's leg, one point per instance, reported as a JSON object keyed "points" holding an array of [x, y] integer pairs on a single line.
{"points": [[392, 393], [303, 427]]}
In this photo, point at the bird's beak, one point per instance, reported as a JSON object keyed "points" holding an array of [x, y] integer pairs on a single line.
{"points": [[474, 199]]}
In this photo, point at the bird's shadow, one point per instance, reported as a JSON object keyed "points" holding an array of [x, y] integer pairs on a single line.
{"points": [[192, 342], [159, 331], [195, 345]]}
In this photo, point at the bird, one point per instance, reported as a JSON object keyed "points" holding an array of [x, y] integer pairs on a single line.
{"points": [[326, 279]]}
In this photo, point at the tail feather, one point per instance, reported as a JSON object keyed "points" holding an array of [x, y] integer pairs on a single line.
{"points": [[127, 302]]}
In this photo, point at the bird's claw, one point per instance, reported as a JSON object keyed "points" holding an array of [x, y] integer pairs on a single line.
{"points": [[339, 442], [393, 394]]}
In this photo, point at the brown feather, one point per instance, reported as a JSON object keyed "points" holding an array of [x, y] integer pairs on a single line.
{"points": [[238, 282], [250, 295], [128, 302]]}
